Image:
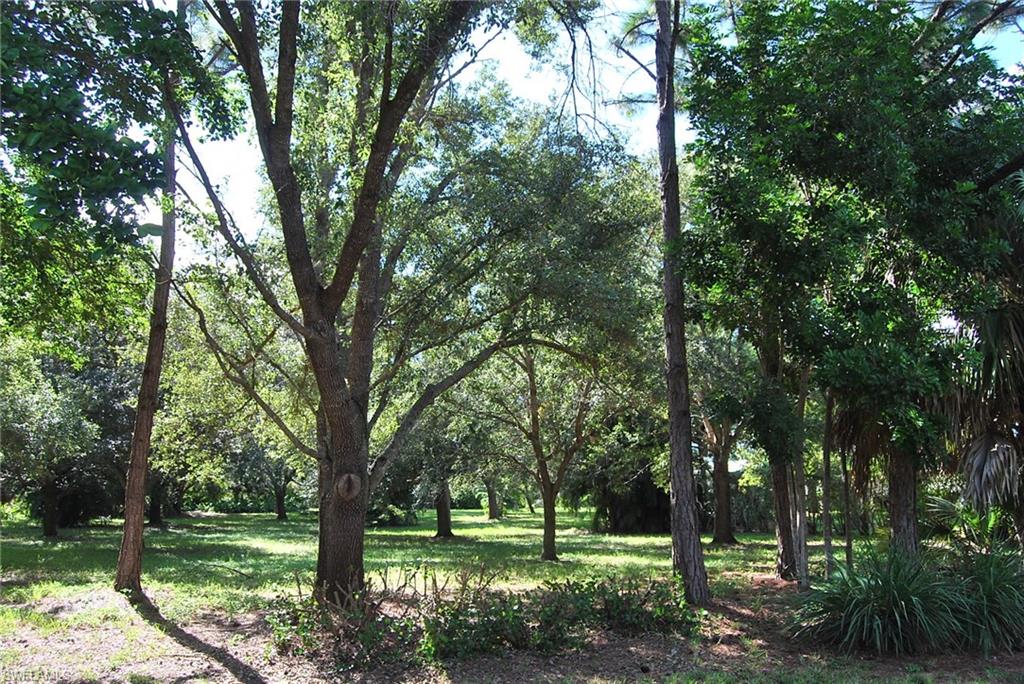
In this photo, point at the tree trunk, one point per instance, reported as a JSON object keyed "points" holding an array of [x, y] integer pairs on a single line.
{"points": [[723, 504], [493, 505], [548, 551], [129, 560], [279, 493], [903, 503], [51, 511], [826, 487], [803, 575], [687, 554], [343, 477], [785, 562], [529, 500], [443, 505], [1018, 520], [156, 500], [847, 511]]}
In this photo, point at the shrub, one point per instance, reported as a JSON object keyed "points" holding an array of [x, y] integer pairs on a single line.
{"points": [[892, 603], [994, 595], [465, 615]]}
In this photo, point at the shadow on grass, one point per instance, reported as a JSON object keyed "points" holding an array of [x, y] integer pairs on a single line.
{"points": [[151, 614]]}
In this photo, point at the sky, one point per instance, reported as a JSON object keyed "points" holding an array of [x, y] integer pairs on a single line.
{"points": [[236, 164]]}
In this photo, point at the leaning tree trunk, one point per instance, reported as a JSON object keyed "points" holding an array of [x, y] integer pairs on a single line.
{"points": [[279, 509], [51, 510], [687, 555], [548, 551], [785, 561], [493, 505], [723, 503], [129, 561], [443, 505], [826, 487], [156, 500], [903, 503]]}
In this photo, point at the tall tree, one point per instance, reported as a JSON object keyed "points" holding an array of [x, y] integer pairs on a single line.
{"points": [[687, 554]]}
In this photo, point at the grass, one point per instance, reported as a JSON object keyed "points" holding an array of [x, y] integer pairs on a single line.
{"points": [[233, 562]]}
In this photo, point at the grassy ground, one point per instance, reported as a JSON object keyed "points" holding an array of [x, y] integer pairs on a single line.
{"points": [[211, 576]]}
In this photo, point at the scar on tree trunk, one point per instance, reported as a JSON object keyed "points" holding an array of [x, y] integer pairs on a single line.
{"points": [[51, 511], [443, 505]]}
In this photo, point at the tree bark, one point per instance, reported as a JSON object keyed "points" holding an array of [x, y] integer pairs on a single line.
{"points": [[687, 554], [129, 560], [443, 505], [51, 511], [847, 511], [493, 505], [723, 497], [785, 561], [279, 509], [826, 487], [903, 503], [156, 500], [803, 575], [548, 550]]}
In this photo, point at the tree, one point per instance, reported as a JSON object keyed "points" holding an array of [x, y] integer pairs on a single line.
{"points": [[687, 555], [723, 369], [43, 429], [546, 403]]}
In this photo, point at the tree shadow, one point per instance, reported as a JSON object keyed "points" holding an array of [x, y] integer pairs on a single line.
{"points": [[151, 614]]}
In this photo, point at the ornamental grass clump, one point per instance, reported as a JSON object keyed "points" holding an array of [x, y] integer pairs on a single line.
{"points": [[892, 603]]}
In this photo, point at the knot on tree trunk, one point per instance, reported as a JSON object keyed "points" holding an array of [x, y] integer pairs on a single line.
{"points": [[348, 486]]}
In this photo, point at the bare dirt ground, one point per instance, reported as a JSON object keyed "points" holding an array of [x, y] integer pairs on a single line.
{"points": [[743, 638]]}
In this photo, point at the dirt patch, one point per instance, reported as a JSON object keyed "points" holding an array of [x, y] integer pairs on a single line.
{"points": [[100, 636]]}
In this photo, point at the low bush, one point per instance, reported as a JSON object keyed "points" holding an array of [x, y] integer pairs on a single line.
{"points": [[897, 604], [465, 615], [994, 595], [892, 603]]}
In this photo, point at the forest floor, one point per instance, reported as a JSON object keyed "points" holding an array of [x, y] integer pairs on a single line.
{"points": [[209, 579]]}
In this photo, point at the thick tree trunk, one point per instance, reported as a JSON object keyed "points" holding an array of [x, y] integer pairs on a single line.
{"points": [[343, 478], [723, 498], [903, 503], [156, 500], [51, 511], [785, 561], [493, 505], [443, 505], [129, 561], [826, 487], [548, 550], [687, 554], [279, 509], [847, 511]]}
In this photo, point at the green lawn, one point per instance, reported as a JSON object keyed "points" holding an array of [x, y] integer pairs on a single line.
{"points": [[232, 562], [208, 575]]}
